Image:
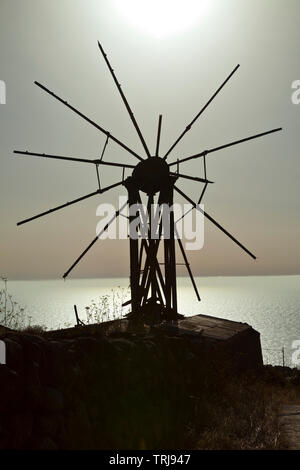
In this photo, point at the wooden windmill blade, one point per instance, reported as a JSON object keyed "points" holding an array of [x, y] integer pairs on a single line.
{"points": [[189, 126], [74, 159], [211, 219], [131, 115], [79, 199], [117, 214], [222, 147], [97, 126]]}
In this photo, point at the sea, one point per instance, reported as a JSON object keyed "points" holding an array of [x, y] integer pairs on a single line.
{"points": [[270, 304]]}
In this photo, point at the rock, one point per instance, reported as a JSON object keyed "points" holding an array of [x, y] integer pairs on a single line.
{"points": [[54, 373], [11, 390], [122, 345], [33, 388], [14, 355], [4, 437], [78, 433], [20, 427], [42, 443], [33, 347], [48, 424], [52, 400]]}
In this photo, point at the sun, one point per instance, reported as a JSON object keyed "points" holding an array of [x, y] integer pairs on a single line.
{"points": [[161, 18]]}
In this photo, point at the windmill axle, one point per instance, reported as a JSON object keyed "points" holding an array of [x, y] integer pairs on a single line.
{"points": [[151, 175]]}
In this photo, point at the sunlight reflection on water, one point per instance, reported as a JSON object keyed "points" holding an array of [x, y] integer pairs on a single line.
{"points": [[270, 304]]}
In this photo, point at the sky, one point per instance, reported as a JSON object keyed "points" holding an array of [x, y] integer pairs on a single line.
{"points": [[168, 63]]}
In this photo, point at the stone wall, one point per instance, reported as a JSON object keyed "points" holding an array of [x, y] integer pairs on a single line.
{"points": [[84, 389]]}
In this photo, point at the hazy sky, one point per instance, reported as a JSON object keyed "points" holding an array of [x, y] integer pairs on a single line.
{"points": [[256, 190]]}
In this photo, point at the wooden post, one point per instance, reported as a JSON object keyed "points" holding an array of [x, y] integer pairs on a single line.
{"points": [[78, 321], [133, 198]]}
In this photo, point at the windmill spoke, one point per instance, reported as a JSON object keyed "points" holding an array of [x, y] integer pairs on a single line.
{"points": [[89, 121], [59, 157], [58, 207], [199, 114], [202, 193], [187, 265], [117, 213], [73, 159], [158, 135], [131, 115], [221, 147], [111, 186], [193, 178], [99, 191], [215, 222], [199, 202]]}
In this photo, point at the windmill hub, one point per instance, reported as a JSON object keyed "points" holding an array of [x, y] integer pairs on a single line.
{"points": [[151, 175]]}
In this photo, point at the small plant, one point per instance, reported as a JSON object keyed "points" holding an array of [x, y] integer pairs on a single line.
{"points": [[107, 307], [34, 329], [12, 315]]}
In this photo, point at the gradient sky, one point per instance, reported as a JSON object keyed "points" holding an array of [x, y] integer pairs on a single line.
{"points": [[256, 190]]}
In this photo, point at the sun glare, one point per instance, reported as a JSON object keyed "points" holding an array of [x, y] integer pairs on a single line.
{"points": [[162, 17]]}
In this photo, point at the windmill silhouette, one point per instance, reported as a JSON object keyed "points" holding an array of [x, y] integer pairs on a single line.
{"points": [[153, 290]]}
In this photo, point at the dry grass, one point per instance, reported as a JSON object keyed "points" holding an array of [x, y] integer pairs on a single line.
{"points": [[243, 413]]}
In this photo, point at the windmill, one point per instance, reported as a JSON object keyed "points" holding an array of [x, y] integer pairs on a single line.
{"points": [[153, 289]]}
